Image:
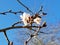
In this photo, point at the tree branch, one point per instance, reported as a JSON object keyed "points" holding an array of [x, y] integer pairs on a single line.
{"points": [[8, 28], [41, 9], [9, 43], [6, 36], [10, 11], [25, 43], [16, 23], [35, 33], [25, 6]]}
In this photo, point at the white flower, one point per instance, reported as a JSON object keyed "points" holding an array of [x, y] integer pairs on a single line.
{"points": [[25, 18], [37, 20]]}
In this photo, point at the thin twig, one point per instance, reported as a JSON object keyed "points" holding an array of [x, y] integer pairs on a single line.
{"points": [[35, 33], [16, 23], [25, 6], [10, 11], [25, 43], [11, 43], [41, 8], [6, 37], [43, 32], [41, 11]]}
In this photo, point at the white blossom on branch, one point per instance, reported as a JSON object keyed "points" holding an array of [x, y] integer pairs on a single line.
{"points": [[25, 18], [28, 20], [37, 20]]}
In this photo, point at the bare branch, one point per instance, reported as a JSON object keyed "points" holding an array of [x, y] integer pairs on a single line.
{"points": [[6, 36], [25, 6], [10, 11], [11, 43], [44, 13], [44, 24], [35, 33], [8, 28], [25, 43], [32, 35], [43, 32], [13, 27], [16, 23], [40, 9]]}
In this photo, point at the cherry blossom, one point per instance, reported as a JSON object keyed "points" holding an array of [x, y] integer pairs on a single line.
{"points": [[37, 20], [28, 20], [25, 18]]}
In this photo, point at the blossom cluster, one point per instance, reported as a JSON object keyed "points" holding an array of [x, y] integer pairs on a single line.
{"points": [[28, 19]]}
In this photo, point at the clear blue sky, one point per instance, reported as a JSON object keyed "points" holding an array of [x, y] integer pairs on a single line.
{"points": [[52, 7]]}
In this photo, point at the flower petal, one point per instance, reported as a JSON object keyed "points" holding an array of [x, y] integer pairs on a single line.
{"points": [[25, 18], [37, 20]]}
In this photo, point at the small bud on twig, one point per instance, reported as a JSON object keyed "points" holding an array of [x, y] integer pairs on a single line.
{"points": [[44, 13], [44, 24]]}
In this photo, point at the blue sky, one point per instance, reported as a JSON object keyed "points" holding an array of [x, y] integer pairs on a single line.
{"points": [[52, 7]]}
